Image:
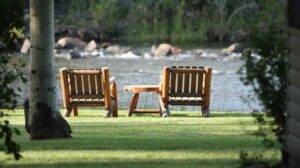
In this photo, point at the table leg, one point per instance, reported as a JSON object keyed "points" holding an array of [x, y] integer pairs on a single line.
{"points": [[136, 101], [133, 103]]}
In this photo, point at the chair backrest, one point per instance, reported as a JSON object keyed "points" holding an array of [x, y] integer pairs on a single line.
{"points": [[84, 83], [186, 81]]}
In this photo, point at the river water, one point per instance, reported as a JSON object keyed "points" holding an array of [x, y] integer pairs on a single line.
{"points": [[227, 91]]}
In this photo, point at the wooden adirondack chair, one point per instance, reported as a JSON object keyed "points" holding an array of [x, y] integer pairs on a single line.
{"points": [[88, 87], [185, 86]]}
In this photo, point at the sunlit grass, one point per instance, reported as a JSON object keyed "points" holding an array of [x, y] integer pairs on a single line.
{"points": [[184, 140]]}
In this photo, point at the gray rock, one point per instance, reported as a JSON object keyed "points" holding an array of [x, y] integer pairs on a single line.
{"points": [[69, 43], [116, 49], [25, 47], [113, 49], [164, 50], [91, 46], [105, 45], [198, 52], [234, 48], [74, 54]]}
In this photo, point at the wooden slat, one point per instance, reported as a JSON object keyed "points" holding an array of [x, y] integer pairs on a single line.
{"points": [[86, 96], [293, 126], [79, 84], [186, 94], [293, 110], [293, 146], [187, 82], [294, 60], [93, 84], [200, 82], [180, 79], [85, 104], [186, 103], [294, 44], [294, 77], [294, 94], [99, 83], [193, 81], [72, 84], [173, 82], [181, 70], [85, 71], [86, 84]]}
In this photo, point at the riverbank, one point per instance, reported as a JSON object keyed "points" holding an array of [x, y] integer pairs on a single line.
{"points": [[183, 140]]}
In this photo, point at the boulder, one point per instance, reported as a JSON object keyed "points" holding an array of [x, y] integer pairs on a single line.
{"points": [[74, 54], [198, 51], [91, 46], [113, 49], [116, 49], [69, 43], [25, 47], [105, 45], [164, 50], [234, 48]]}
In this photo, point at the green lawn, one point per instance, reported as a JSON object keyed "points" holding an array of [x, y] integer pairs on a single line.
{"points": [[184, 140]]}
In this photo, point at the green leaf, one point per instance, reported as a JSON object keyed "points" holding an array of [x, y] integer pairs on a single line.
{"points": [[17, 131]]}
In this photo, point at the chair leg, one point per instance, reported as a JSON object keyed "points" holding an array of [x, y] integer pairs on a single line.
{"points": [[114, 96], [111, 109], [107, 113], [115, 112], [75, 111], [67, 112], [165, 112], [205, 111]]}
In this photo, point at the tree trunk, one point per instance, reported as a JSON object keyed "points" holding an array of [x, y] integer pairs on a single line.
{"points": [[45, 120]]}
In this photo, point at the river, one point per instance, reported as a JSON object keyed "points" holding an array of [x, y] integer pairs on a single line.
{"points": [[227, 92]]}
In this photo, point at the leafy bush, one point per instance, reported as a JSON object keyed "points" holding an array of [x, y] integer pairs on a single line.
{"points": [[265, 70], [11, 13]]}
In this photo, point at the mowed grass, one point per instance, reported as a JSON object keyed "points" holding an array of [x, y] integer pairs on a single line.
{"points": [[183, 140]]}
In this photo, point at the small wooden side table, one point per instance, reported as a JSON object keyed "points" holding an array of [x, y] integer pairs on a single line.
{"points": [[136, 90]]}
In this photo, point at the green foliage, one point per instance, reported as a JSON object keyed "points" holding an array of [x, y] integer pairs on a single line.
{"points": [[265, 70], [11, 22], [110, 16], [11, 13], [77, 12], [255, 158], [177, 21], [230, 15], [10, 73]]}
